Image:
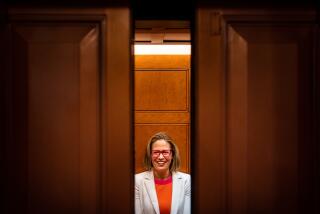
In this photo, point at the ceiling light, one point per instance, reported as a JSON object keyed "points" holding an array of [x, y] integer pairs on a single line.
{"points": [[162, 49]]}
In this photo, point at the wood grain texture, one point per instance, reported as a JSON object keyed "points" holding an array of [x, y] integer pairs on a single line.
{"points": [[58, 157], [162, 117], [266, 87], [209, 171], [161, 90], [61, 114], [161, 61], [257, 118]]}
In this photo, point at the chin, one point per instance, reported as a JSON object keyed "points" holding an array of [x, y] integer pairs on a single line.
{"points": [[161, 168]]}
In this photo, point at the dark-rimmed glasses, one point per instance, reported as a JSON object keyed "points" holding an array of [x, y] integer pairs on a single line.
{"points": [[165, 153]]}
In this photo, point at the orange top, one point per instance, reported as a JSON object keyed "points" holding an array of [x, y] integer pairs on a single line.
{"points": [[164, 194]]}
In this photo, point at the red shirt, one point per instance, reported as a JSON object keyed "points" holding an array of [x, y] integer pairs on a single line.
{"points": [[164, 194]]}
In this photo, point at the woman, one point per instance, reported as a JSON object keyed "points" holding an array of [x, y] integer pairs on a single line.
{"points": [[162, 189]]}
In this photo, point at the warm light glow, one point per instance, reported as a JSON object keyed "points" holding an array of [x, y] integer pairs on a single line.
{"points": [[162, 49]]}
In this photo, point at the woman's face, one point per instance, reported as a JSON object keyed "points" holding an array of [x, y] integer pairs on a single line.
{"points": [[161, 155]]}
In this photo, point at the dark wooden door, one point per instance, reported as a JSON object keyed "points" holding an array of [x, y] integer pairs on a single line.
{"points": [[255, 143], [68, 111]]}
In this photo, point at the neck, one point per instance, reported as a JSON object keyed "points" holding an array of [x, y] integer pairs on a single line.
{"points": [[161, 175]]}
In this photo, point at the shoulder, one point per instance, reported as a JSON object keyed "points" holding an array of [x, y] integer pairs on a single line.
{"points": [[183, 175], [141, 176]]}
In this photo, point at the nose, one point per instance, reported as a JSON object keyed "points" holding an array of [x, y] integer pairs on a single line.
{"points": [[161, 155]]}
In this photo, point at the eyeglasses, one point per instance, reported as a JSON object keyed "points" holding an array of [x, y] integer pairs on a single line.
{"points": [[165, 153]]}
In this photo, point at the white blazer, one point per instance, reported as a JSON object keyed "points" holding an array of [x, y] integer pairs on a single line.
{"points": [[146, 201]]}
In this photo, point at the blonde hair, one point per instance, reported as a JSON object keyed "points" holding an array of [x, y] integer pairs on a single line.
{"points": [[175, 162]]}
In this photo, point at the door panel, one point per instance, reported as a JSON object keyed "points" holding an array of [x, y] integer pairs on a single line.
{"points": [[260, 112], [61, 114], [158, 90], [58, 154], [265, 91]]}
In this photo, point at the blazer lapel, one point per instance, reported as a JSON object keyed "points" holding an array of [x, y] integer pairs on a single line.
{"points": [[176, 192], [151, 189]]}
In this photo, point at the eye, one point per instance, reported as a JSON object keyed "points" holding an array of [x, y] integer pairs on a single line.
{"points": [[156, 153]]}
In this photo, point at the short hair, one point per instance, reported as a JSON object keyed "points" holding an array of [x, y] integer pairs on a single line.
{"points": [[175, 162]]}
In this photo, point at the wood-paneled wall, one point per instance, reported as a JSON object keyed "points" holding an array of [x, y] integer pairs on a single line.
{"points": [[162, 103]]}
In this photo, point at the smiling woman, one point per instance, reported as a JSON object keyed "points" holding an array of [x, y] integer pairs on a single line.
{"points": [[162, 188]]}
